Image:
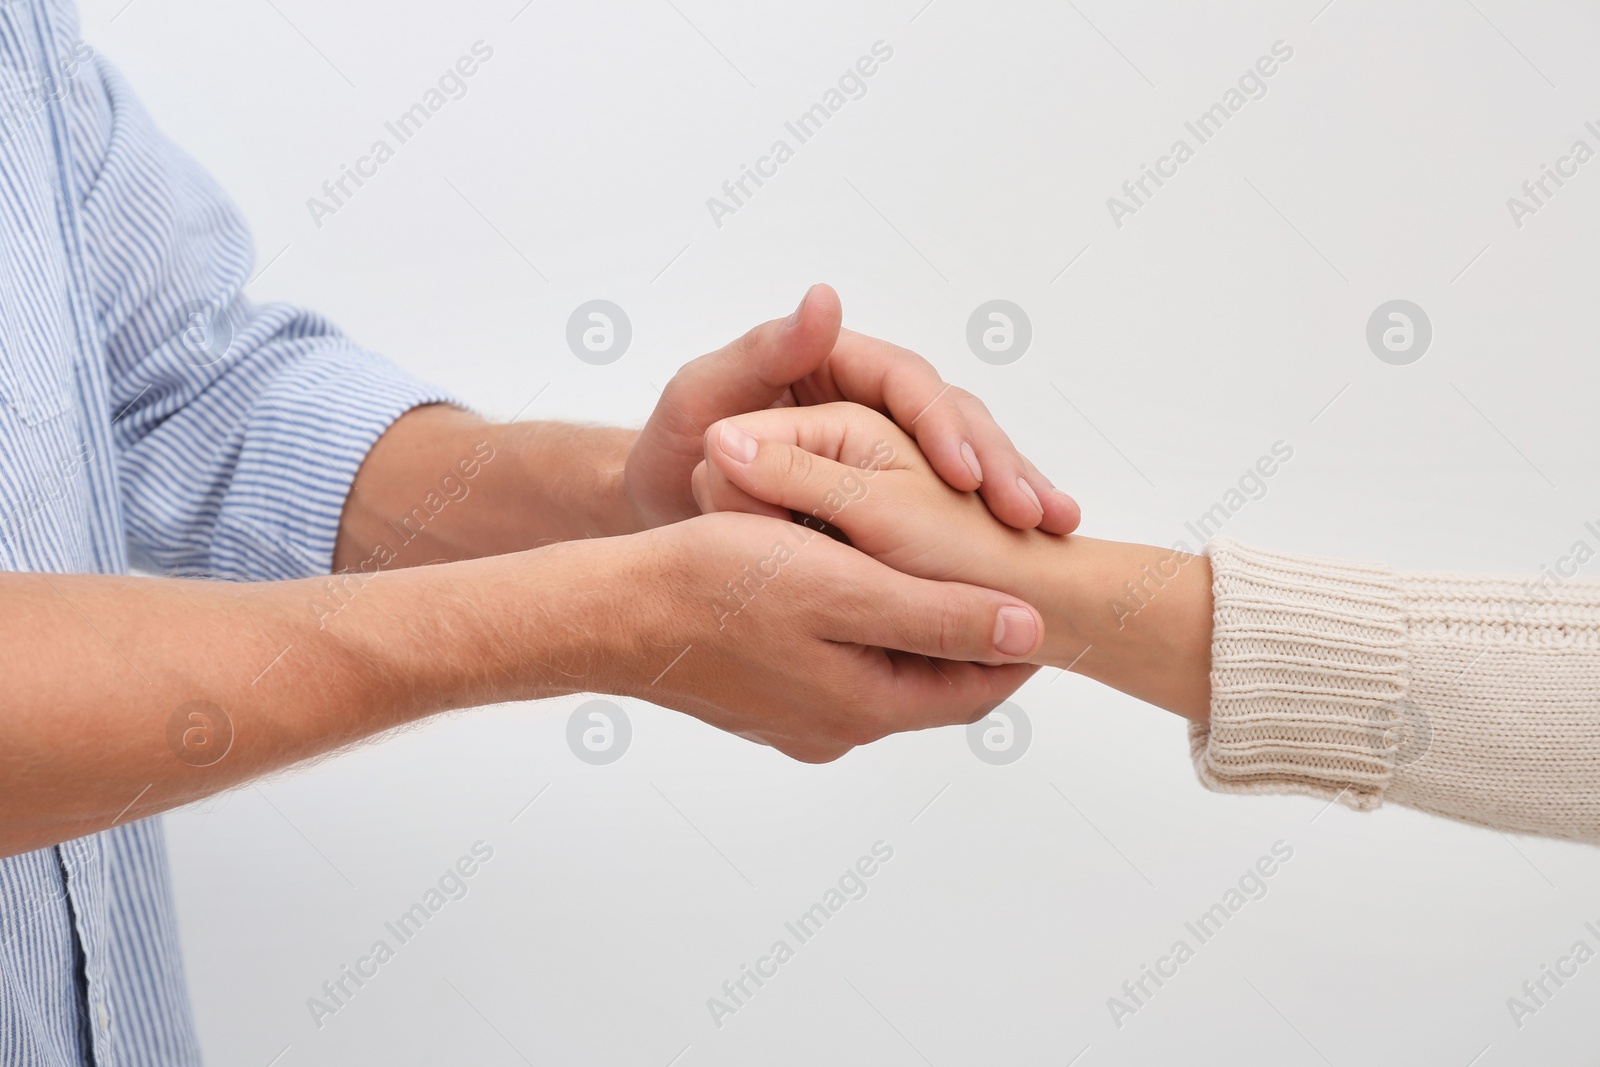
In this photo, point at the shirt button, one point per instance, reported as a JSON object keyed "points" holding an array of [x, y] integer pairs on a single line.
{"points": [[105, 1016]]}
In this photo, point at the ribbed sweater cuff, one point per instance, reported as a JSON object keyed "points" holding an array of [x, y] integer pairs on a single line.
{"points": [[1308, 669]]}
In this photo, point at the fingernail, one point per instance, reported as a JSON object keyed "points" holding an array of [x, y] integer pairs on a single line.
{"points": [[738, 445], [971, 459], [1015, 631], [1027, 491], [794, 318]]}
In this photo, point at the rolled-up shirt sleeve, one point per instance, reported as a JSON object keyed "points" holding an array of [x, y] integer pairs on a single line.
{"points": [[239, 427]]}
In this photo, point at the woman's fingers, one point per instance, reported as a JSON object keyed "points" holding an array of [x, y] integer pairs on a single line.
{"points": [[746, 472], [714, 492]]}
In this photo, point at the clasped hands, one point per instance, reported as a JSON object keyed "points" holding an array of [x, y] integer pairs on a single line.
{"points": [[799, 641]]}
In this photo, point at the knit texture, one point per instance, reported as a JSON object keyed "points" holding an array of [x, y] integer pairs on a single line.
{"points": [[1472, 697]]}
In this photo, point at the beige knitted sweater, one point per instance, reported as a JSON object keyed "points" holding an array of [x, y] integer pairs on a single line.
{"points": [[1472, 697]]}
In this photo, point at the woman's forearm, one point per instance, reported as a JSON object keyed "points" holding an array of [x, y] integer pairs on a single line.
{"points": [[1134, 617], [1470, 696]]}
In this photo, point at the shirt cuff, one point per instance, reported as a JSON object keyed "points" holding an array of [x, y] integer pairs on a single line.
{"points": [[1308, 675], [307, 436]]}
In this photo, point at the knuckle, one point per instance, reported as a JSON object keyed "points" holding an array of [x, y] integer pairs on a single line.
{"points": [[677, 398], [953, 624], [981, 712], [795, 465], [813, 752], [861, 722], [744, 347], [971, 403], [881, 721], [859, 732]]}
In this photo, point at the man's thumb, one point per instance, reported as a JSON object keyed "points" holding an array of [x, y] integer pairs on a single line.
{"points": [[752, 372]]}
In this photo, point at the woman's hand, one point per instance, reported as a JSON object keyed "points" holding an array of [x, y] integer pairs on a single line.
{"points": [[1135, 617], [854, 469]]}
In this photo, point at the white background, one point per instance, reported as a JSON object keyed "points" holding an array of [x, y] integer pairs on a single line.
{"points": [[1228, 314]]}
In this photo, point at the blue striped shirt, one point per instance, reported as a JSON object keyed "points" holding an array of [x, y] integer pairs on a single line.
{"points": [[148, 411]]}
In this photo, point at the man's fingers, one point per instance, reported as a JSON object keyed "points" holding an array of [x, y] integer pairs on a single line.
{"points": [[931, 693], [1010, 496], [928, 408], [1061, 512], [939, 620], [945, 436], [1019, 490], [1017, 494], [955, 431], [876, 374]]}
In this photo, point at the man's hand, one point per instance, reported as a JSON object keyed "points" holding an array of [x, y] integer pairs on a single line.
{"points": [[807, 359], [779, 634]]}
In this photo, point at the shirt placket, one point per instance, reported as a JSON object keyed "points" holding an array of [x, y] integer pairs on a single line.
{"points": [[85, 861]]}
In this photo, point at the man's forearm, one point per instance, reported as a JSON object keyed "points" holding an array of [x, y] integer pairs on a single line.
{"points": [[127, 696], [443, 484]]}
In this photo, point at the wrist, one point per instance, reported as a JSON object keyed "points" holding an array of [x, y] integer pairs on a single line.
{"points": [[519, 626], [1135, 617], [572, 479], [610, 614], [1067, 579]]}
